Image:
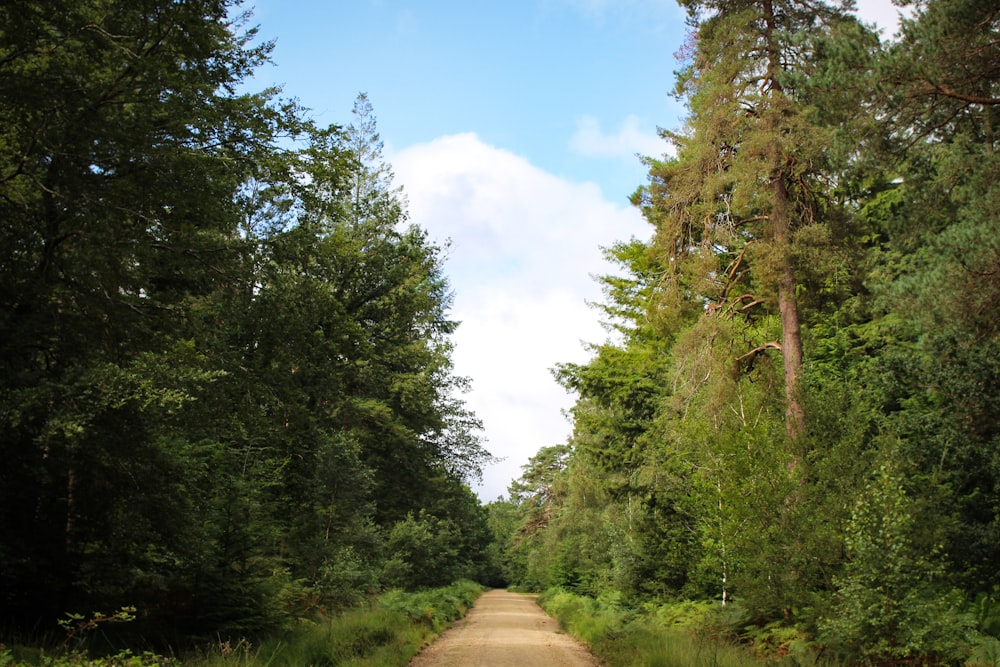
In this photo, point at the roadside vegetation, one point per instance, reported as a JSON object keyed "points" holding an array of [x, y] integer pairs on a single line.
{"points": [[388, 632], [702, 634]]}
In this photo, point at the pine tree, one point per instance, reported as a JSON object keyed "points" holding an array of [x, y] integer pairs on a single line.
{"points": [[371, 180], [747, 174]]}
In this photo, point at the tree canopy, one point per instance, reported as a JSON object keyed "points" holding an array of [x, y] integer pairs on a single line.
{"points": [[796, 414], [227, 385]]}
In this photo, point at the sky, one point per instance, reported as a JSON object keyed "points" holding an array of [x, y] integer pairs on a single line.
{"points": [[514, 129]]}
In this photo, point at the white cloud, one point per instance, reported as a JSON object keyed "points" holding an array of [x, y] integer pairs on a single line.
{"points": [[524, 244], [590, 140], [882, 13]]}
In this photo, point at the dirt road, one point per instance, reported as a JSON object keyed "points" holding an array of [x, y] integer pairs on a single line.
{"points": [[505, 630]]}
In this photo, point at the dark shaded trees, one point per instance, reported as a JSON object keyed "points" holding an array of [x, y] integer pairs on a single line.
{"points": [[225, 374], [123, 148]]}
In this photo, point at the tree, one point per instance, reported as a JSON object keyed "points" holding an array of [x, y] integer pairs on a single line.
{"points": [[122, 149], [747, 176], [937, 359], [371, 182], [401, 399], [802, 191], [890, 601], [945, 66], [628, 492], [227, 366]]}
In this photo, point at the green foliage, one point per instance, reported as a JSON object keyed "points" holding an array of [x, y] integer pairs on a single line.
{"points": [[124, 658], [986, 653], [387, 633], [502, 568], [226, 361], [424, 553], [671, 635], [228, 399], [891, 601], [825, 179], [77, 626], [354, 637], [124, 164], [78, 629], [435, 607], [987, 613], [445, 542]]}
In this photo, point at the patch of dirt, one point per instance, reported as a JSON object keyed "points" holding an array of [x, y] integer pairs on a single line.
{"points": [[505, 630]]}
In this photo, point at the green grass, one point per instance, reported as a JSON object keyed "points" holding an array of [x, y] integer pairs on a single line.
{"points": [[703, 634], [685, 634], [358, 637], [387, 633]]}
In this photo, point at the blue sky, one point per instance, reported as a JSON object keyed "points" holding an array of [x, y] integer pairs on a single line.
{"points": [[524, 75], [513, 128]]}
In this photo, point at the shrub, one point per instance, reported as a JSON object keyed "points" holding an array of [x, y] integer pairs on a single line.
{"points": [[892, 604]]}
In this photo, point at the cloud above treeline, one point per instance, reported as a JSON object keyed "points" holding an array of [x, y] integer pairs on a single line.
{"points": [[629, 140], [524, 245]]}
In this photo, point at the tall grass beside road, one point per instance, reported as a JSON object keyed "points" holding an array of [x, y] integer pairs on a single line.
{"points": [[386, 633]]}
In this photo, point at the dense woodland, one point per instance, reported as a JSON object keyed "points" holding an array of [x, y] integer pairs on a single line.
{"points": [[798, 411], [227, 398]]}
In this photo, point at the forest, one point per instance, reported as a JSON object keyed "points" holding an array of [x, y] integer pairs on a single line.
{"points": [[227, 391], [797, 411], [228, 402]]}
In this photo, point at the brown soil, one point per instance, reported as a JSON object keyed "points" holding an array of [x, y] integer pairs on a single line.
{"points": [[505, 629]]}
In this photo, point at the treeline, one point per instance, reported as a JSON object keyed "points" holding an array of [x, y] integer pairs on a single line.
{"points": [[797, 414], [227, 397]]}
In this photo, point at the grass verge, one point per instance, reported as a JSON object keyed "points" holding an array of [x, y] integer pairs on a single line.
{"points": [[388, 633], [686, 634], [704, 634]]}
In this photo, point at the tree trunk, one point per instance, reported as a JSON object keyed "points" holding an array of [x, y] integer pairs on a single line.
{"points": [[791, 334]]}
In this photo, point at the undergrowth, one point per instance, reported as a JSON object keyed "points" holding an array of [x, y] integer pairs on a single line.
{"points": [[387, 633], [704, 634], [683, 634]]}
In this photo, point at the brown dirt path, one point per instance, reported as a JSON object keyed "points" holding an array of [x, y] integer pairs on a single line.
{"points": [[505, 630]]}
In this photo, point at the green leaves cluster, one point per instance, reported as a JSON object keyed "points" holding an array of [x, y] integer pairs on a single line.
{"points": [[831, 191], [226, 380]]}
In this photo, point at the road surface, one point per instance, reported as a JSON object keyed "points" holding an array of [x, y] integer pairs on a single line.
{"points": [[505, 630]]}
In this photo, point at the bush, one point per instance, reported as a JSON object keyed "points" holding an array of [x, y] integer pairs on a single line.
{"points": [[436, 607], [892, 603], [388, 633], [681, 634], [385, 634]]}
